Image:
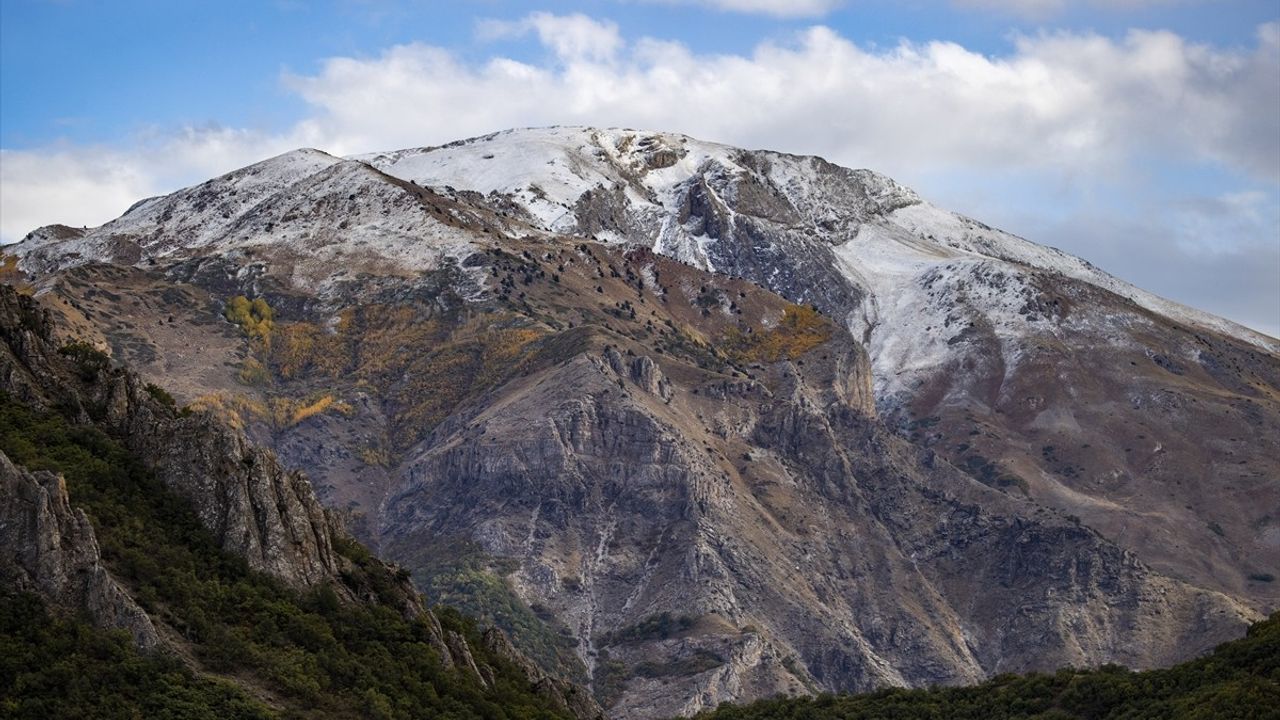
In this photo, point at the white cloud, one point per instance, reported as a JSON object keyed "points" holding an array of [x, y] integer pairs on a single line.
{"points": [[1080, 103], [571, 37], [1071, 110], [73, 187], [90, 185]]}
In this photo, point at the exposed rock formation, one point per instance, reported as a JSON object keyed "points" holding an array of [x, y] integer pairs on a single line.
{"points": [[48, 548], [253, 506], [836, 557]]}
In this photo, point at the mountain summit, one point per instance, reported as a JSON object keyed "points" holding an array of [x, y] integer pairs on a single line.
{"points": [[697, 423]]}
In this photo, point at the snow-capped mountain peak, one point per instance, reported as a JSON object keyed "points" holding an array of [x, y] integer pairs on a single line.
{"points": [[851, 241]]}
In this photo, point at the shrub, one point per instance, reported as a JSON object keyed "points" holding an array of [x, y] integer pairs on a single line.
{"points": [[253, 372], [161, 395], [253, 317], [89, 360], [699, 661], [55, 667], [801, 329], [655, 627]]}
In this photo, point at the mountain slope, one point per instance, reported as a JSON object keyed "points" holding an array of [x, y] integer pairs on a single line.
{"points": [[679, 484], [231, 611], [1096, 394]]}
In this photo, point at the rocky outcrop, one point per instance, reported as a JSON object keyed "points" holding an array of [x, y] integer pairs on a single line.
{"points": [[460, 657], [254, 507], [49, 548]]}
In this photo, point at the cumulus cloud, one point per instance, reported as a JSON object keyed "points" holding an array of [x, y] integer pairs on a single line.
{"points": [[1070, 109], [73, 187], [1080, 102], [78, 186], [571, 37]]}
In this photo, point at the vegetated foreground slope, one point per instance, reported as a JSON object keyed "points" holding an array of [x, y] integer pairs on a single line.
{"points": [[1239, 679], [672, 483], [205, 628]]}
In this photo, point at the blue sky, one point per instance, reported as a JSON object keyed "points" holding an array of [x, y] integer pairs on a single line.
{"points": [[1143, 135]]}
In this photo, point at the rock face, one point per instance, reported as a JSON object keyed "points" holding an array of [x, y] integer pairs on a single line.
{"points": [[241, 493], [837, 557], [257, 509], [49, 549], [951, 453]]}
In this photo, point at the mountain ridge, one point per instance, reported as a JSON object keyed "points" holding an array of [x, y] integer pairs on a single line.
{"points": [[897, 195]]}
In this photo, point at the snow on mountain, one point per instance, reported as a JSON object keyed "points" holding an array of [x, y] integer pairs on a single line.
{"points": [[547, 170], [888, 239], [961, 233], [323, 216], [757, 214]]}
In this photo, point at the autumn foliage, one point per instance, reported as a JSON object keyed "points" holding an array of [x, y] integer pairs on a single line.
{"points": [[801, 329]]}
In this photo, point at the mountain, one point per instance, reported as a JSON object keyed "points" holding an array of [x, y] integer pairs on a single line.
{"points": [[696, 423]]}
